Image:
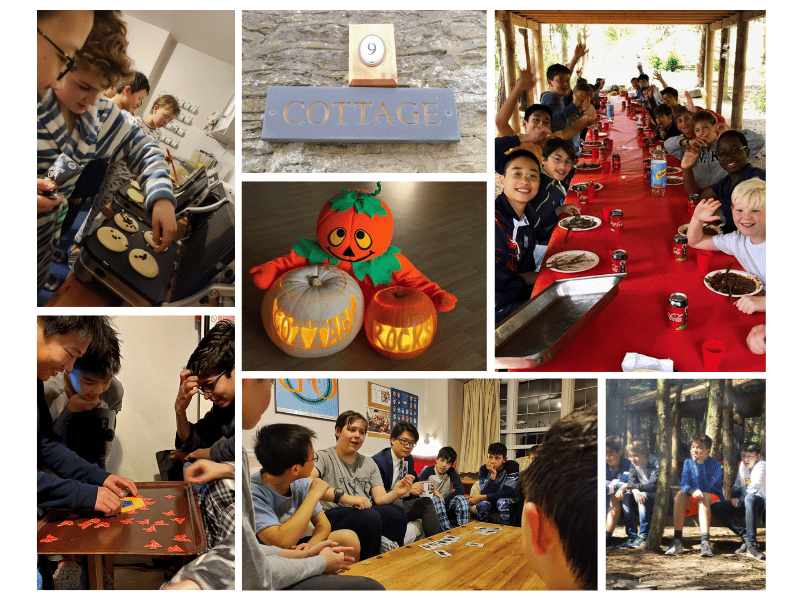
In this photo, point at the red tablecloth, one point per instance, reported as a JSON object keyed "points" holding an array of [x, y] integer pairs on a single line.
{"points": [[636, 320]]}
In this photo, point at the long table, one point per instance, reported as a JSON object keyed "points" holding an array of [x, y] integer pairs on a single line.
{"points": [[636, 320], [499, 565]]}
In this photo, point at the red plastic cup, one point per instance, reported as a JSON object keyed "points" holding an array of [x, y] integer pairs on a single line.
{"points": [[595, 154], [590, 192], [607, 213], [606, 167], [610, 143], [703, 260], [713, 351]]}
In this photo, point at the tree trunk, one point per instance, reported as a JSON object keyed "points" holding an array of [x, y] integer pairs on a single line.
{"points": [[629, 432], [762, 433], [713, 417], [728, 450], [675, 425], [701, 60], [615, 425], [664, 410], [501, 78]]}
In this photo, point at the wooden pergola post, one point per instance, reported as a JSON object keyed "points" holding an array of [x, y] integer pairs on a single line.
{"points": [[708, 68], [511, 67], [541, 83], [739, 71], [526, 33], [723, 69]]}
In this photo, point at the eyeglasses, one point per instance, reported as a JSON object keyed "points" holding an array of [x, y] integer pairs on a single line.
{"points": [[732, 153], [406, 443], [561, 161], [69, 60], [208, 387], [310, 459]]}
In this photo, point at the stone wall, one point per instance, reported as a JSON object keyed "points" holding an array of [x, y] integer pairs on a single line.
{"points": [[435, 49]]}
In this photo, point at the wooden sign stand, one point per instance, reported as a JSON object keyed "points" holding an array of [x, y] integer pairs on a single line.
{"points": [[373, 62]]}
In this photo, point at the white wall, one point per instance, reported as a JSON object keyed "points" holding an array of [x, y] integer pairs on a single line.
{"points": [[433, 415], [154, 350]]}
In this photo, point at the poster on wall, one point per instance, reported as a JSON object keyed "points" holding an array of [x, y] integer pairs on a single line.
{"points": [[379, 396], [378, 422], [405, 407], [318, 398]]}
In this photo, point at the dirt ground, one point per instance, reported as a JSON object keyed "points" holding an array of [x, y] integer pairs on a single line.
{"points": [[725, 571]]}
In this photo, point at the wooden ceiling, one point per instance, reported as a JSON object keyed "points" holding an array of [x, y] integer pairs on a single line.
{"points": [[715, 18]]}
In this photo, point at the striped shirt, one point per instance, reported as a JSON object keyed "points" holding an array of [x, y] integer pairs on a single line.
{"points": [[99, 133]]}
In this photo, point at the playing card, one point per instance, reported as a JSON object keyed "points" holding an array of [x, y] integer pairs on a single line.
{"points": [[442, 553], [477, 545]]}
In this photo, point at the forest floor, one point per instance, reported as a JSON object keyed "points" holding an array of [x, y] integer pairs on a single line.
{"points": [[631, 569]]}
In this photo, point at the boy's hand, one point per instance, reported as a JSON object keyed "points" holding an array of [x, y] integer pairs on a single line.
{"points": [[186, 391], [107, 502], [590, 113], [116, 484], [491, 469], [164, 225], [526, 80], [438, 495], [580, 50], [699, 495], [705, 209], [621, 492], [203, 471], [757, 339], [473, 500], [750, 304], [735, 502], [318, 488], [335, 561], [199, 453], [690, 157], [638, 496], [43, 203], [78, 403], [359, 502], [568, 209], [536, 135]]}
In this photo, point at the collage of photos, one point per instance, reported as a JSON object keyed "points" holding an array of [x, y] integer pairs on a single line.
{"points": [[324, 182]]}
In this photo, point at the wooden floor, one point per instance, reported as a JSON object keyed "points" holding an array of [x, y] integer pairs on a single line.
{"points": [[439, 226]]}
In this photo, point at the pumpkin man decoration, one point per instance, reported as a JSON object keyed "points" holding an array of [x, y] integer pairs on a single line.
{"points": [[354, 231]]}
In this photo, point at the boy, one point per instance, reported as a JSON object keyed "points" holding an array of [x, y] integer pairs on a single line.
{"points": [[557, 96], [83, 403], [701, 486], [447, 484], [60, 34], [617, 467], [749, 500], [669, 96], [130, 94], [560, 511], [100, 131], [666, 125], [394, 464], [210, 371], [285, 501], [498, 484], [642, 482], [748, 243]]}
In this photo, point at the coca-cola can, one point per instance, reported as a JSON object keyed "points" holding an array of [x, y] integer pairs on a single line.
{"points": [[616, 161], [619, 261], [615, 221], [678, 313], [583, 194], [646, 173], [679, 244], [694, 199]]}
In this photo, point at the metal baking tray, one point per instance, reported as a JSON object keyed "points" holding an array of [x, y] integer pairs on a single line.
{"points": [[539, 329]]}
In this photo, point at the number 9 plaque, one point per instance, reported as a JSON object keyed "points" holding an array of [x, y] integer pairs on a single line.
{"points": [[372, 56]]}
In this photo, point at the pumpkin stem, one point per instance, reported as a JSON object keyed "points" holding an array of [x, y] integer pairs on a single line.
{"points": [[399, 294], [315, 281]]}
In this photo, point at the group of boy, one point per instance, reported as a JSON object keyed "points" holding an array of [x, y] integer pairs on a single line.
{"points": [[631, 483]]}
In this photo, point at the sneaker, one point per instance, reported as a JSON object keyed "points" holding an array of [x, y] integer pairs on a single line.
{"points": [[638, 542], [675, 548], [742, 549], [626, 544], [705, 549], [754, 552]]}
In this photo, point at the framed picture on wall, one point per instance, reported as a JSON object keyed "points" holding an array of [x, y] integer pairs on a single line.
{"points": [[379, 396], [318, 398], [378, 422]]}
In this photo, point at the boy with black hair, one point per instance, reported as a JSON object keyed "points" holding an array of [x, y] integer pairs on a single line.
{"points": [[497, 480], [749, 500], [447, 484], [284, 500], [666, 125], [701, 486], [210, 371], [395, 464], [130, 94], [669, 96], [558, 95], [559, 490], [642, 483], [617, 467]]}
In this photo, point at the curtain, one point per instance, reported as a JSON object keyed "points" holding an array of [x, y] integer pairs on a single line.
{"points": [[481, 425]]}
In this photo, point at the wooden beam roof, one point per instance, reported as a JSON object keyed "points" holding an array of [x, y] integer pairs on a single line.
{"points": [[716, 19], [749, 393]]}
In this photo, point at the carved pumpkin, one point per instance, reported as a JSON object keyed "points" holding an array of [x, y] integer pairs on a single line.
{"points": [[313, 311], [400, 322], [355, 226]]}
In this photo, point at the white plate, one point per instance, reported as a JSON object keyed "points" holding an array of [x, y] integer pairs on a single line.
{"points": [[674, 180], [597, 186], [673, 170], [759, 284], [582, 166], [564, 223], [592, 144], [684, 228], [590, 260]]}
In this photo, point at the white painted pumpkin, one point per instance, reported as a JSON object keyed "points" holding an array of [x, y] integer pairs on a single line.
{"points": [[313, 311]]}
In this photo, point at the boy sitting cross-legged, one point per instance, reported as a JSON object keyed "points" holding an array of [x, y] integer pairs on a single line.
{"points": [[284, 500], [748, 244], [749, 499], [498, 484], [447, 484], [701, 486], [642, 482], [617, 468]]}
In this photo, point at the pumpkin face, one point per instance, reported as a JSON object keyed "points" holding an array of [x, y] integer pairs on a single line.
{"points": [[355, 226], [313, 311], [400, 322]]}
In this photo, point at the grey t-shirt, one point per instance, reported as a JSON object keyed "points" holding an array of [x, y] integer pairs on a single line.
{"points": [[357, 479], [441, 483]]}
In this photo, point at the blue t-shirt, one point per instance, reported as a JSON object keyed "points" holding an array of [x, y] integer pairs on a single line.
{"points": [[706, 477], [273, 509]]}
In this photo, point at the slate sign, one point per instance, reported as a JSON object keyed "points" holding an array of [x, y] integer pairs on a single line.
{"points": [[360, 114]]}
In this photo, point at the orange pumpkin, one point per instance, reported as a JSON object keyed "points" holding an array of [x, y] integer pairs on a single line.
{"points": [[400, 322], [355, 225], [313, 311]]}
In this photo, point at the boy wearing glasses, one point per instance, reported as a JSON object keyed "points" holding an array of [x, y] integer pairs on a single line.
{"points": [[284, 500], [210, 371], [395, 464]]}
